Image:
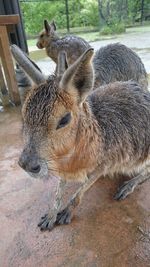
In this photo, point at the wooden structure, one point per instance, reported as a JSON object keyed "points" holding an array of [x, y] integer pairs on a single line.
{"points": [[7, 23]]}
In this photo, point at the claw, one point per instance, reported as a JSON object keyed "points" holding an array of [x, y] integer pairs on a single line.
{"points": [[126, 189], [46, 223], [64, 217]]}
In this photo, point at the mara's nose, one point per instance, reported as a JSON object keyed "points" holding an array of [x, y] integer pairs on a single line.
{"points": [[29, 164], [39, 45]]}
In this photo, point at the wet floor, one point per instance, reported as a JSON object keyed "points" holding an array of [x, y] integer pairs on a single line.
{"points": [[103, 233]]}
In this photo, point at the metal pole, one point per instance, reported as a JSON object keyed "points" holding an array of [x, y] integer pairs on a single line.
{"points": [[142, 11], [67, 15]]}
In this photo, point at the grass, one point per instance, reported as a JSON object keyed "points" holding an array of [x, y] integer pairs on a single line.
{"points": [[145, 28], [32, 42]]}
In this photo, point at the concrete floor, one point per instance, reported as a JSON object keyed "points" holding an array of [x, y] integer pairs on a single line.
{"points": [[103, 233]]}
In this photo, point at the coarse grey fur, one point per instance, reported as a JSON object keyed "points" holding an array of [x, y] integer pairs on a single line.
{"points": [[117, 62], [108, 133], [114, 62], [122, 110]]}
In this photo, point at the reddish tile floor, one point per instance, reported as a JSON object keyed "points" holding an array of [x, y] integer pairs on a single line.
{"points": [[103, 233]]}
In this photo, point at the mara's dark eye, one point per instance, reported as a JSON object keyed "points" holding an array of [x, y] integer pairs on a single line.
{"points": [[64, 121], [41, 35]]}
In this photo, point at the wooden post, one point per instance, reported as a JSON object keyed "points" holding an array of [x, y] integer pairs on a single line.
{"points": [[4, 91], [6, 57]]}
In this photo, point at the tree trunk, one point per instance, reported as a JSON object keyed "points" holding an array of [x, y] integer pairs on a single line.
{"points": [[102, 18]]}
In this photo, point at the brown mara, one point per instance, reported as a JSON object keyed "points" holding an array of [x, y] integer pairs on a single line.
{"points": [[80, 134], [73, 45]]}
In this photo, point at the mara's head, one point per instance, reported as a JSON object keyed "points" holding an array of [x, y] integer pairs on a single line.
{"points": [[46, 35], [51, 115]]}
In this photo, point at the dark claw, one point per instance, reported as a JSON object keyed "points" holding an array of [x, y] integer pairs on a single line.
{"points": [[64, 217], [120, 196], [46, 223], [124, 190], [43, 217]]}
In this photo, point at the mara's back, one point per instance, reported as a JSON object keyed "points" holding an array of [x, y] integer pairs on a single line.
{"points": [[117, 62], [122, 111], [74, 47]]}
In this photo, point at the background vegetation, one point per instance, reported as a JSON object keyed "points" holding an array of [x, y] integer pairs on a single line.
{"points": [[108, 16]]}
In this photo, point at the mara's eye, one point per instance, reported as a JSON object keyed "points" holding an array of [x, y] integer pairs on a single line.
{"points": [[41, 35], [64, 121]]}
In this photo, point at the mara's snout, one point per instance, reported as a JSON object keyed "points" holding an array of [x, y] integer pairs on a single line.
{"points": [[29, 163], [39, 45]]}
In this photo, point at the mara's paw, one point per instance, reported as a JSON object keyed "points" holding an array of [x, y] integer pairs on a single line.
{"points": [[47, 222], [64, 216], [126, 189]]}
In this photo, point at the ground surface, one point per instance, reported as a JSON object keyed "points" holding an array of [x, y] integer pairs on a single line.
{"points": [[103, 233]]}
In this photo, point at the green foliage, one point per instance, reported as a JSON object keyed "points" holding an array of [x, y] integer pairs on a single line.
{"points": [[106, 30], [34, 14], [113, 29], [110, 16], [81, 13]]}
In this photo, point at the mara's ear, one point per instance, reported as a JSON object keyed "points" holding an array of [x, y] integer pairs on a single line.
{"points": [[47, 26], [28, 65], [53, 25], [79, 76], [62, 64]]}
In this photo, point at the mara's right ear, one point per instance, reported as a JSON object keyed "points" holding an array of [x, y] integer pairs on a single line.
{"points": [[79, 77], [53, 25]]}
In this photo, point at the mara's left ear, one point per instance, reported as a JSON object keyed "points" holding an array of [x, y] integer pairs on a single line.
{"points": [[47, 27], [79, 76]]}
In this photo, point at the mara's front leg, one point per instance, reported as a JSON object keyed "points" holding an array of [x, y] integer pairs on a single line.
{"points": [[48, 221], [65, 216]]}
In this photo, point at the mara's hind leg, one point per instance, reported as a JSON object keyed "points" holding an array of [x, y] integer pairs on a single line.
{"points": [[65, 216], [129, 186]]}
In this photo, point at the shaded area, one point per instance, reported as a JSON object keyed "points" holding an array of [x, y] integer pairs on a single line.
{"points": [[103, 233]]}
